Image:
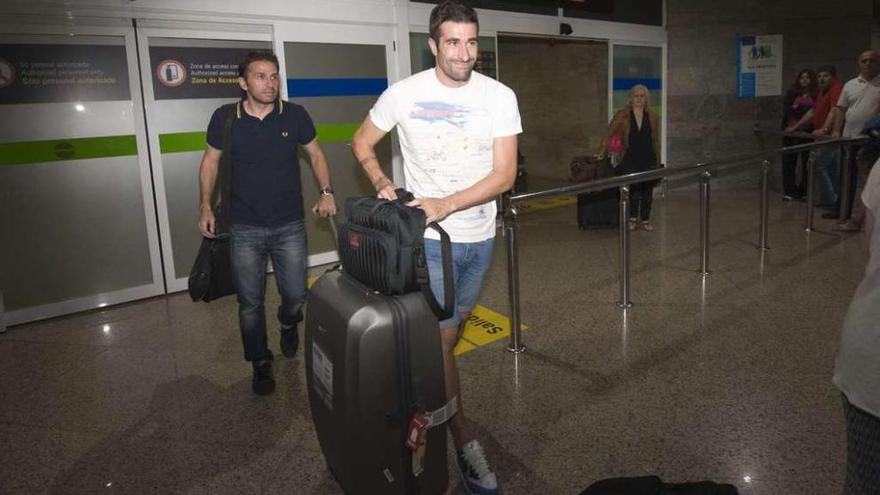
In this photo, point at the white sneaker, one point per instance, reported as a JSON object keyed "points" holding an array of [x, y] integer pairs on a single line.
{"points": [[476, 475]]}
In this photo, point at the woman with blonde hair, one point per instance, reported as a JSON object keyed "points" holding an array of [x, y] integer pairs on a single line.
{"points": [[633, 143]]}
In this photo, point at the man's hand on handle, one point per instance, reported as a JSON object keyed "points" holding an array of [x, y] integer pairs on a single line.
{"points": [[385, 189], [436, 209]]}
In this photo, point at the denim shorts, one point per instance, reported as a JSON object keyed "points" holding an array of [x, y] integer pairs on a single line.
{"points": [[470, 262]]}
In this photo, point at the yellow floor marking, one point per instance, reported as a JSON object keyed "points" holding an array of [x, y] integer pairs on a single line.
{"points": [[544, 204], [484, 326], [312, 281], [463, 346]]}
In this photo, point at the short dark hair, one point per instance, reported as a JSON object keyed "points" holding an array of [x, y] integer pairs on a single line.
{"points": [[827, 68], [251, 57], [451, 10]]}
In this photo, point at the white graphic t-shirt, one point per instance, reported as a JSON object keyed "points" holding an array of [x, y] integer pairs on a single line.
{"points": [[446, 139]]}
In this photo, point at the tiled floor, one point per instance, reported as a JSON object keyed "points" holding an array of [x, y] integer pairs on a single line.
{"points": [[725, 378]]}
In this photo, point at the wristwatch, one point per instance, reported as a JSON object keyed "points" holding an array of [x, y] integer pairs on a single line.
{"points": [[326, 191]]}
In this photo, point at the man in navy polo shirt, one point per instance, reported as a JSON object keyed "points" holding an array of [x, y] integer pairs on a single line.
{"points": [[266, 206]]}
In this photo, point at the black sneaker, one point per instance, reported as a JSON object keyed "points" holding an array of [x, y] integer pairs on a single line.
{"points": [[289, 340], [263, 382]]}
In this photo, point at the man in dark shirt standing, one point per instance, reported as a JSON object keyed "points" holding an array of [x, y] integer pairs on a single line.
{"points": [[266, 205]]}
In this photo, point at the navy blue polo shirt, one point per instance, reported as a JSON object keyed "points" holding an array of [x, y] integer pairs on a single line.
{"points": [[265, 188]]}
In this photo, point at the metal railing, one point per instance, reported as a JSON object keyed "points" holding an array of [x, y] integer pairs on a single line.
{"points": [[705, 170]]}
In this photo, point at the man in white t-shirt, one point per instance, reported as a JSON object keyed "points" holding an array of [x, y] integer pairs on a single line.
{"points": [[860, 100], [458, 135], [857, 370]]}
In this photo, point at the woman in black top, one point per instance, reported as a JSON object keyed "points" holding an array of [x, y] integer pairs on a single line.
{"points": [[633, 141]]}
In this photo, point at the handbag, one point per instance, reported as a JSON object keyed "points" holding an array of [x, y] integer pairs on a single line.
{"points": [[381, 244], [211, 274], [615, 143]]}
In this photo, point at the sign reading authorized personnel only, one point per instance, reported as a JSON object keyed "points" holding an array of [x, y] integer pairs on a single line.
{"points": [[61, 73]]}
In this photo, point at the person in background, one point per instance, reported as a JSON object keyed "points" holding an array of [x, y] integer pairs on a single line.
{"points": [[821, 119], [266, 206], [859, 102], [799, 100], [633, 141]]}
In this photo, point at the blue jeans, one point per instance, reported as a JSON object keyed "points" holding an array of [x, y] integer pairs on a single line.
{"points": [[827, 166], [251, 247], [470, 262]]}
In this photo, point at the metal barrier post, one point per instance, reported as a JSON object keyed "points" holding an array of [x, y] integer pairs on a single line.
{"points": [[765, 191], [845, 174], [704, 222], [624, 301], [811, 182], [516, 345]]}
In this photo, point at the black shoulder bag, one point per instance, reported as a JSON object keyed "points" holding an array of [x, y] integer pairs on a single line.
{"points": [[381, 244], [211, 275]]}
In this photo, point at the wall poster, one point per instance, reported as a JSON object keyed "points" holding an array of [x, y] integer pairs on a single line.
{"points": [[759, 66]]}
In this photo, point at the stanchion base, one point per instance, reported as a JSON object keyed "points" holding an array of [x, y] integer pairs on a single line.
{"points": [[701, 272], [764, 248], [623, 305], [521, 349]]}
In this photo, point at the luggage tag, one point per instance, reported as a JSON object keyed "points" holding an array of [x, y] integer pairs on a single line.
{"points": [[415, 434], [416, 439]]}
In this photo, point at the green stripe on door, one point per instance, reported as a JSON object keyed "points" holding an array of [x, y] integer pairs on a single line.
{"points": [[181, 142], [67, 149], [337, 133]]}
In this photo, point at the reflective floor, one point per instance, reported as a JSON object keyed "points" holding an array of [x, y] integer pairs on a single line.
{"points": [[726, 377]]}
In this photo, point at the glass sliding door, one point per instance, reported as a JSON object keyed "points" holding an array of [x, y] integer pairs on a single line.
{"points": [[337, 79], [638, 64], [188, 74], [78, 219]]}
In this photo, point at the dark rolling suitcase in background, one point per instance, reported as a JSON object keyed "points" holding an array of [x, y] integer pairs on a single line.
{"points": [[598, 209], [369, 357]]}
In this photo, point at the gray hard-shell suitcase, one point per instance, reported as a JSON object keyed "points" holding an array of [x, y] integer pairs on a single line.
{"points": [[372, 361]]}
